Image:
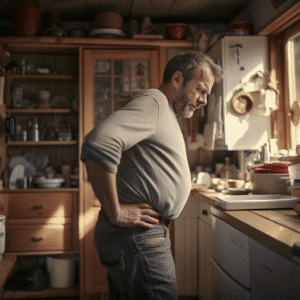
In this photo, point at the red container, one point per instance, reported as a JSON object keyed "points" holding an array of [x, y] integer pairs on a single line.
{"points": [[177, 31], [243, 25], [26, 20]]}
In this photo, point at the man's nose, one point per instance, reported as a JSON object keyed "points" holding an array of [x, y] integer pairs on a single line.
{"points": [[202, 100]]}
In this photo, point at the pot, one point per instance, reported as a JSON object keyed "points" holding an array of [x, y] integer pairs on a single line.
{"points": [[268, 183], [26, 20]]}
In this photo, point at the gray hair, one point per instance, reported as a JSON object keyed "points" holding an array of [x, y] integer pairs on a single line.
{"points": [[186, 63]]}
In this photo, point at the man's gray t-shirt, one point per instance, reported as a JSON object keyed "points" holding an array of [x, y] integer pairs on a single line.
{"points": [[143, 143]]}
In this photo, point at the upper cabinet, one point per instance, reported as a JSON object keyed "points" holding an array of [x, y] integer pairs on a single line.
{"points": [[111, 77], [42, 104]]}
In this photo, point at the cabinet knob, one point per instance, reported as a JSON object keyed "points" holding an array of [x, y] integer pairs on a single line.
{"points": [[36, 240], [204, 212], [38, 207]]}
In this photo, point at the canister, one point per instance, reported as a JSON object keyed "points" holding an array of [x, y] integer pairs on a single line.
{"points": [[2, 234]]}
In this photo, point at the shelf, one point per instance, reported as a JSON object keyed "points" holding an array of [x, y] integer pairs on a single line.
{"points": [[45, 78], [43, 143], [41, 111], [48, 292], [38, 190]]}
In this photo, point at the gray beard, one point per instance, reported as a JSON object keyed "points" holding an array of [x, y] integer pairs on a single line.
{"points": [[182, 108]]}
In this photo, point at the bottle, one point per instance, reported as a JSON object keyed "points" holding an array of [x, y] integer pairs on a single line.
{"points": [[35, 131], [23, 67], [66, 173], [10, 124], [227, 169]]}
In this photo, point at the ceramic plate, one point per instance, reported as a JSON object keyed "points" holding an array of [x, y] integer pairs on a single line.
{"points": [[107, 31], [17, 173]]}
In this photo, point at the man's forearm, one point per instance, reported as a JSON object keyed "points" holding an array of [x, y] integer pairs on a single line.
{"points": [[104, 186]]}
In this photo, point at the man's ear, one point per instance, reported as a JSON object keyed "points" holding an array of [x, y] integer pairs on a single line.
{"points": [[177, 79]]}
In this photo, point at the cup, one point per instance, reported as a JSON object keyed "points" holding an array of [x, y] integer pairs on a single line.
{"points": [[44, 96], [146, 22]]}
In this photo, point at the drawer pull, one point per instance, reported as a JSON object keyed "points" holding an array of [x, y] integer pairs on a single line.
{"points": [[204, 212], [38, 207], [36, 240]]}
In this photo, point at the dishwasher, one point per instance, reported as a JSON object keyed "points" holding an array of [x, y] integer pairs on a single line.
{"points": [[230, 263]]}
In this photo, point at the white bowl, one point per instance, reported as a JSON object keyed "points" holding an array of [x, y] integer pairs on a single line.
{"points": [[49, 183]]}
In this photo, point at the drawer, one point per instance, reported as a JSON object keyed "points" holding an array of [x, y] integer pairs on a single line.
{"points": [[271, 271], [38, 238], [40, 205]]}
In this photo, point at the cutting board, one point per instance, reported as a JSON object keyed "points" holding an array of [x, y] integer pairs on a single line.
{"points": [[244, 202]]}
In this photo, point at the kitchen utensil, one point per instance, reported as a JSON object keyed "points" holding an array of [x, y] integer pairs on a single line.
{"points": [[199, 187], [294, 172], [274, 168], [204, 178], [238, 191], [269, 183], [26, 20], [177, 31], [17, 173], [102, 32], [242, 202], [49, 183], [108, 19], [2, 234], [59, 102], [243, 25]]}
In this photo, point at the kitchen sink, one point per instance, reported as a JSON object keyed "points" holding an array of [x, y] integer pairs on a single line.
{"points": [[264, 201]]}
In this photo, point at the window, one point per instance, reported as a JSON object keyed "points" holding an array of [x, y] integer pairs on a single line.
{"points": [[284, 37], [293, 77]]}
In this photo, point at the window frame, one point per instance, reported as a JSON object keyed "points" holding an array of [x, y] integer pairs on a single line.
{"points": [[279, 31]]}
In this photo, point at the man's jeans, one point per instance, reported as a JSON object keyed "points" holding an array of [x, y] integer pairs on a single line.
{"points": [[139, 261]]}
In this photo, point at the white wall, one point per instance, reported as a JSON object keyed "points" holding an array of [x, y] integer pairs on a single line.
{"points": [[261, 13]]}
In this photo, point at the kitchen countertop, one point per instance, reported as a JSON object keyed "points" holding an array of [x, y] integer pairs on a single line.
{"points": [[277, 229]]}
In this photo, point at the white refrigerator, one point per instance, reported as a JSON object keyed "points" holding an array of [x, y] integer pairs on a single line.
{"points": [[238, 111]]}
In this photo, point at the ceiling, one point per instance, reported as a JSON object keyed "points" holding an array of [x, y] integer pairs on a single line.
{"points": [[189, 11]]}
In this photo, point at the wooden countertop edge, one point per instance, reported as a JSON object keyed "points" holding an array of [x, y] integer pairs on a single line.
{"points": [[269, 233], [6, 265]]}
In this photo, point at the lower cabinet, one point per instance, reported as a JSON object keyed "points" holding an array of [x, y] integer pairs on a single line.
{"points": [[193, 250], [186, 248], [205, 252], [271, 275], [40, 223]]}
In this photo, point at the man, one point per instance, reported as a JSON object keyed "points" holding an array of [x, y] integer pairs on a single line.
{"points": [[137, 165]]}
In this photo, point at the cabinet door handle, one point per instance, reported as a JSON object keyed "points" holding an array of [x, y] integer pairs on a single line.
{"points": [[36, 240], [204, 212], [38, 207]]}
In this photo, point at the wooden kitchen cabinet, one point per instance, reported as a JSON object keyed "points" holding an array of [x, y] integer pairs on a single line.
{"points": [[101, 74], [111, 77], [186, 248], [205, 252]]}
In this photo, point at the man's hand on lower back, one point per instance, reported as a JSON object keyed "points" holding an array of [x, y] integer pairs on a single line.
{"points": [[132, 215]]}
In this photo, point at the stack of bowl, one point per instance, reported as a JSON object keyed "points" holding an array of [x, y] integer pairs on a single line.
{"points": [[107, 24]]}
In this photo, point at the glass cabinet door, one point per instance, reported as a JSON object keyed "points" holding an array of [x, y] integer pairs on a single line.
{"points": [[114, 77], [109, 79]]}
